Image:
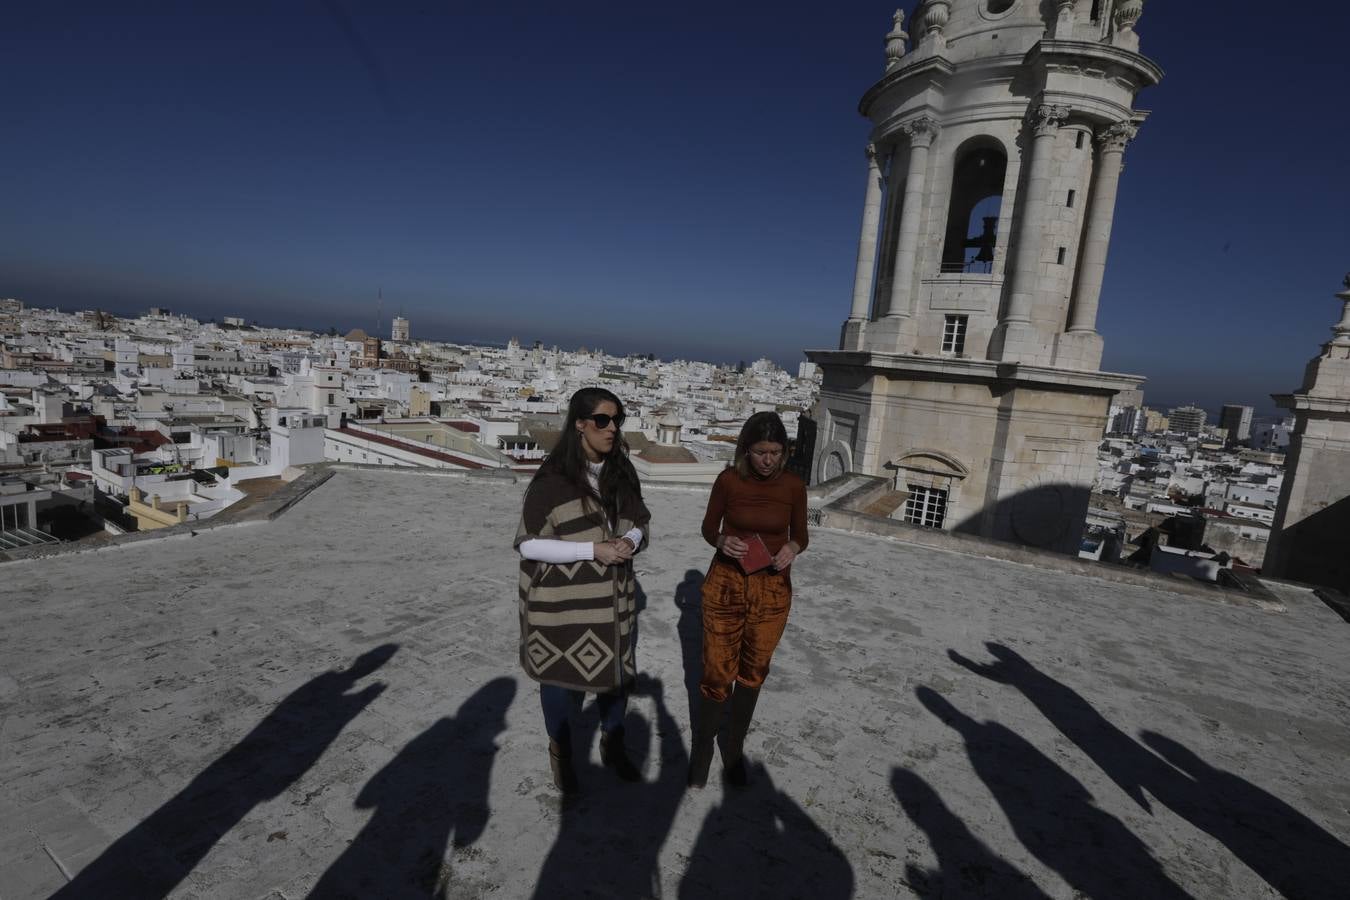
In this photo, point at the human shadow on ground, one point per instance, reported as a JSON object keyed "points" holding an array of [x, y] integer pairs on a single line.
{"points": [[610, 836], [1291, 852], [152, 858], [689, 601], [1053, 814], [436, 786], [759, 843], [966, 866]]}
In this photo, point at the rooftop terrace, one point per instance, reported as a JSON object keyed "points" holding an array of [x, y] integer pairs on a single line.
{"points": [[328, 704]]}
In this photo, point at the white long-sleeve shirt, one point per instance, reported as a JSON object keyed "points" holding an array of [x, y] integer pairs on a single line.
{"points": [[550, 550]]}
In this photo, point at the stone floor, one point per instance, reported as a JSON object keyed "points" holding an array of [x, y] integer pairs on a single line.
{"points": [[328, 705]]}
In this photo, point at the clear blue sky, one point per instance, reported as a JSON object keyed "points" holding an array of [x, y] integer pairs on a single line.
{"points": [[683, 179]]}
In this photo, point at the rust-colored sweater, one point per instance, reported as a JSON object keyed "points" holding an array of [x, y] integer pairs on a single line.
{"points": [[774, 509]]}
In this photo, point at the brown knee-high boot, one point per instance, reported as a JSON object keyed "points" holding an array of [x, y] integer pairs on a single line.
{"points": [[705, 735], [743, 700]]}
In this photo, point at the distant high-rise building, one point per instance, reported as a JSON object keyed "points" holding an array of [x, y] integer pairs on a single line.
{"points": [[1187, 419], [1237, 421], [1127, 420], [1312, 520], [399, 331]]}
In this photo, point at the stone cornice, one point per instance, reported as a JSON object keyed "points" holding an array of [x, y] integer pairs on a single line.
{"points": [[1050, 52], [1312, 403], [935, 66], [939, 367]]}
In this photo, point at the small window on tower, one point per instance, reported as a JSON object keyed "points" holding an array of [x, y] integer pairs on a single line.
{"points": [[999, 6], [1059, 257], [954, 335], [1078, 141], [1072, 194]]}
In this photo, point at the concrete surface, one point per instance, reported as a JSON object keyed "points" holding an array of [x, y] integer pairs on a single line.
{"points": [[327, 704]]}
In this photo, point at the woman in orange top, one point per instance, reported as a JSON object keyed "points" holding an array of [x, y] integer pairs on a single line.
{"points": [[744, 614]]}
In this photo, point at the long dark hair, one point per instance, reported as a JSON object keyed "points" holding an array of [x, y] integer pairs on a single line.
{"points": [[619, 484], [762, 426]]}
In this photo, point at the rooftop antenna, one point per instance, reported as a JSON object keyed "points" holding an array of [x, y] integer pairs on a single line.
{"points": [[379, 312]]}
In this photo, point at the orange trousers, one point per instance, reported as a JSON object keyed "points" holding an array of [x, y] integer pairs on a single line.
{"points": [[743, 619]]}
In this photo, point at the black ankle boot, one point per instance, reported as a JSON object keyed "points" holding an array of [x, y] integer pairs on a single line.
{"points": [[560, 762], [703, 740], [743, 700], [613, 755]]}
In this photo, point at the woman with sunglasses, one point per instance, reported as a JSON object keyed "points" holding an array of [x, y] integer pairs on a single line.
{"points": [[582, 521], [745, 608]]}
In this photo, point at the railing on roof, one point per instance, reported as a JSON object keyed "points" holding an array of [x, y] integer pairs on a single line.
{"points": [[971, 266], [23, 536]]}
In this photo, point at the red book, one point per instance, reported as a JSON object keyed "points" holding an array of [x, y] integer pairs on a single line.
{"points": [[757, 556]]}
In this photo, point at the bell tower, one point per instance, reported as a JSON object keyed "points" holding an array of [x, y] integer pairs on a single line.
{"points": [[968, 366]]}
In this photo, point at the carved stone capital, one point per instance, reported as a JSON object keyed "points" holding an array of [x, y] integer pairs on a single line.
{"points": [[1047, 118], [921, 131], [1113, 138]]}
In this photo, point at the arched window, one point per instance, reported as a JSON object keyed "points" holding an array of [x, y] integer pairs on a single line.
{"points": [[972, 217]]}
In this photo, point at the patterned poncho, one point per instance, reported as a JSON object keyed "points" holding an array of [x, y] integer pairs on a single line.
{"points": [[576, 620]]}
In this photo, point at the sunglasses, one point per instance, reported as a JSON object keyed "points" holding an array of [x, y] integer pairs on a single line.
{"points": [[602, 420]]}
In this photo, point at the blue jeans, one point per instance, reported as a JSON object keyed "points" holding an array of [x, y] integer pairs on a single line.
{"points": [[559, 702]]}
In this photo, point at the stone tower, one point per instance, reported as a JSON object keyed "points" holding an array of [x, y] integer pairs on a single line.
{"points": [[967, 369], [1311, 534]]}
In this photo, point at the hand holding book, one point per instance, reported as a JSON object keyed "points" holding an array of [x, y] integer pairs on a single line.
{"points": [[748, 552]]}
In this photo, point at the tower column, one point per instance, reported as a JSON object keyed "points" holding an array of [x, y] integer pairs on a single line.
{"points": [[1080, 347], [899, 305], [867, 241], [1111, 143], [1015, 339]]}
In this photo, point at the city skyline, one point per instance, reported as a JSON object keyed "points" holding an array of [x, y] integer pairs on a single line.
{"points": [[618, 178]]}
